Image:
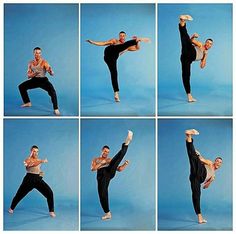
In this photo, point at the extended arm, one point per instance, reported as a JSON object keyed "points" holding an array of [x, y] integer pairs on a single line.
{"points": [[102, 43], [137, 46], [207, 183], [98, 163], [205, 161], [33, 163], [123, 166], [194, 41]]}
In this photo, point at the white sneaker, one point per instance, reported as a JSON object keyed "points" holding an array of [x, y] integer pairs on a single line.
{"points": [[107, 216]]}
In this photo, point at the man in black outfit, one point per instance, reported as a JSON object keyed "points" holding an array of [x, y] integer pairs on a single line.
{"points": [[201, 171], [106, 169], [37, 70], [192, 50], [116, 47], [34, 180]]}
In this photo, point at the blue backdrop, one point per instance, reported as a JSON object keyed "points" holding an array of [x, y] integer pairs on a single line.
{"points": [[131, 192], [136, 70], [54, 28], [58, 142], [211, 86], [175, 209]]}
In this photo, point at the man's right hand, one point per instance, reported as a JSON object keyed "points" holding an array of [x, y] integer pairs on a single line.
{"points": [[45, 160]]}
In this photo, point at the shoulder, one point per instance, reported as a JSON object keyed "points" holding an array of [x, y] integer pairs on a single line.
{"points": [[113, 41], [30, 62], [44, 62]]}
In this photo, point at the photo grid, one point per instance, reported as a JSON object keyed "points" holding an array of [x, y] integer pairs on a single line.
{"points": [[117, 116]]}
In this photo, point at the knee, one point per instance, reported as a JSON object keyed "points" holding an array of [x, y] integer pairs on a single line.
{"points": [[50, 194], [52, 92]]}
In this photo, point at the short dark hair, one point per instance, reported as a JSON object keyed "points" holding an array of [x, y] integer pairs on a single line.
{"points": [[34, 147], [105, 147], [37, 48], [219, 158], [209, 39], [122, 32]]}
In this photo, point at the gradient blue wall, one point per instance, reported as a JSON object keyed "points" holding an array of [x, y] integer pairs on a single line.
{"points": [[134, 188], [54, 28], [215, 139], [136, 70], [209, 21], [57, 141], [215, 80]]}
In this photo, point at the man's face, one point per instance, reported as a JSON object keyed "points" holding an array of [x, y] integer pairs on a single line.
{"points": [[37, 54], [208, 44], [35, 152], [105, 152], [122, 37], [218, 162]]}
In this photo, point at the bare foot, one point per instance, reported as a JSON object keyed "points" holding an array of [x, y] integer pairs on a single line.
{"points": [[192, 132], [106, 216], [28, 104], [202, 221], [186, 17], [57, 112], [190, 98], [52, 214], [10, 211], [116, 96]]}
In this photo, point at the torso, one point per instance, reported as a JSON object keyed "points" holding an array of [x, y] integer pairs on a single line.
{"points": [[98, 160], [210, 172], [200, 52], [38, 67], [34, 170]]}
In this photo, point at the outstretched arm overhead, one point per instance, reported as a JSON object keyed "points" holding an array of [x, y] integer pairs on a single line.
{"points": [[103, 43]]}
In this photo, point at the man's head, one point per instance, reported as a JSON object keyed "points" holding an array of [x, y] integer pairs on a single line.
{"points": [[122, 36], [105, 151], [34, 151], [218, 162], [37, 53], [208, 43]]}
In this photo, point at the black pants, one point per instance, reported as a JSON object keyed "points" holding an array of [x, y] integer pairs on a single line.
{"points": [[111, 54], [197, 175], [30, 182], [188, 55], [105, 174], [38, 82]]}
